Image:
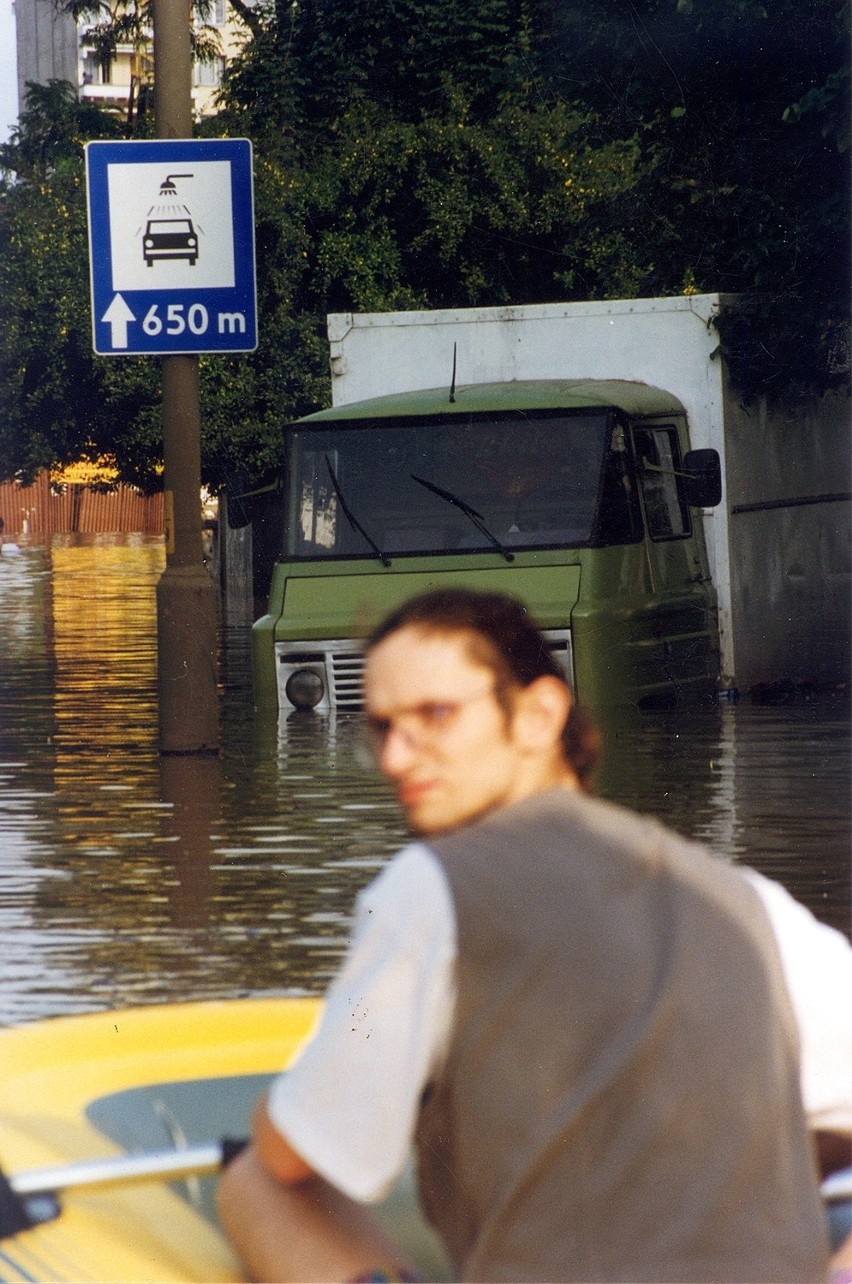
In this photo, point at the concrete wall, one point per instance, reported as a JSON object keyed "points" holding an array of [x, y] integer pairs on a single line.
{"points": [[231, 565], [788, 512], [46, 42]]}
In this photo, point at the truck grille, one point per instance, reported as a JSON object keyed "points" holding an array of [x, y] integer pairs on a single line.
{"points": [[559, 641], [340, 662], [347, 679]]}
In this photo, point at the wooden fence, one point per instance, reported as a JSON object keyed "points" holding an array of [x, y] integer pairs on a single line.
{"points": [[39, 511]]}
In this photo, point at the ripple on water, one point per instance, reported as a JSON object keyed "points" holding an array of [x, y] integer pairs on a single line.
{"points": [[127, 878]]}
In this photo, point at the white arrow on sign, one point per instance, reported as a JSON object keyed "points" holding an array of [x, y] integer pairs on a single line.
{"points": [[117, 316]]}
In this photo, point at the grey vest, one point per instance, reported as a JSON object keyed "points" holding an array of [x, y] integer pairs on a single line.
{"points": [[621, 1097]]}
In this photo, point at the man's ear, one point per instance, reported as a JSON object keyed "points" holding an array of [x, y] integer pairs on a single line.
{"points": [[541, 711]]}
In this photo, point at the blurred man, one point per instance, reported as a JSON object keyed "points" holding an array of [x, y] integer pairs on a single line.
{"points": [[580, 1020]]}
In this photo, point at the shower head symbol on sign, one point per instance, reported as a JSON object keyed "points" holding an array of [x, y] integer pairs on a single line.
{"points": [[169, 231], [171, 243]]}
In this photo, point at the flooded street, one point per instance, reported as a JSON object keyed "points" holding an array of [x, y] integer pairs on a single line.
{"points": [[126, 878]]}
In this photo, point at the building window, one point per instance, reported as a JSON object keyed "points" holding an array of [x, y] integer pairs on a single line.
{"points": [[94, 73], [208, 75]]}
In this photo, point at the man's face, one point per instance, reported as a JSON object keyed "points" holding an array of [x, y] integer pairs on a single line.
{"points": [[440, 735]]}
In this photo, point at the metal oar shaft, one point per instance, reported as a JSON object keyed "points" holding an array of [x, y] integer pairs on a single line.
{"points": [[168, 1164]]}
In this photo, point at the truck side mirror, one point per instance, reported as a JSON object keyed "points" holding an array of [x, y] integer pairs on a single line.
{"points": [[702, 478]]}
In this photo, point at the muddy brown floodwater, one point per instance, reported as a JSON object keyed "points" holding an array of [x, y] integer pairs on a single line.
{"points": [[126, 878]]}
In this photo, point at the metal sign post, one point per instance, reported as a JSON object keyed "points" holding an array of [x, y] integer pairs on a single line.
{"points": [[171, 243], [186, 603], [172, 268]]}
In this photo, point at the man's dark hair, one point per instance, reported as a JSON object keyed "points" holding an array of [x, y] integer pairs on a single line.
{"points": [[503, 638]]}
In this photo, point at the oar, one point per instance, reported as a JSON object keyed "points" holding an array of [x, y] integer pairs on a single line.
{"points": [[170, 1165], [29, 1198]]}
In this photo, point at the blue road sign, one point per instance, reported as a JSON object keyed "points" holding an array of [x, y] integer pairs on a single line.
{"points": [[171, 246]]}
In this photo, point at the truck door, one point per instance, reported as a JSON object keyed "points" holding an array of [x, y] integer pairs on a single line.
{"points": [[668, 521], [684, 615]]}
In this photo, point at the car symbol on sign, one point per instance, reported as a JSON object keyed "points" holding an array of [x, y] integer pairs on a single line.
{"points": [[170, 238]]}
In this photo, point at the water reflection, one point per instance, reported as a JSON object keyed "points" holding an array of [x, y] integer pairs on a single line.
{"points": [[129, 878], [767, 786]]}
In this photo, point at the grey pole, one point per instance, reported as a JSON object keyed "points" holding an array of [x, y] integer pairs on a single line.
{"points": [[186, 595]]}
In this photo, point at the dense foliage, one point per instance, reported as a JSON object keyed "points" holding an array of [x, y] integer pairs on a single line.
{"points": [[425, 154], [56, 402]]}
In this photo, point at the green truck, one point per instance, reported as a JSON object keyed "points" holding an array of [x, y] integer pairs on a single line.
{"points": [[582, 496]]}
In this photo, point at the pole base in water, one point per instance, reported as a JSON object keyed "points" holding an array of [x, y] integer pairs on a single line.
{"points": [[186, 661]]}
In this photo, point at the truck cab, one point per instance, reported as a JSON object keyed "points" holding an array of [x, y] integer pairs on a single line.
{"points": [[580, 497]]}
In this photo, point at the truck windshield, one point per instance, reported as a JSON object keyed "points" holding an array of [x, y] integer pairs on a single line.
{"points": [[385, 488]]}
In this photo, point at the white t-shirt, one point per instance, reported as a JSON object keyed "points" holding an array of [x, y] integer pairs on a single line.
{"points": [[349, 1104]]}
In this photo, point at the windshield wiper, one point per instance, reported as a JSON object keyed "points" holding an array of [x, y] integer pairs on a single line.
{"points": [[468, 511], [351, 518]]}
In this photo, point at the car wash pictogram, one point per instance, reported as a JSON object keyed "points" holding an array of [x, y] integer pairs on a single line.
{"points": [[171, 241], [169, 231]]}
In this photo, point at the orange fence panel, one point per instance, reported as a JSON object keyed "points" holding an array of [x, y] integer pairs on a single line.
{"points": [[37, 512]]}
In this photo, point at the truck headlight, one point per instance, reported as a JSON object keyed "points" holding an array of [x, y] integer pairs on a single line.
{"points": [[304, 688]]}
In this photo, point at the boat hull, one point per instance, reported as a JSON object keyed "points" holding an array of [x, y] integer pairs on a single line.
{"points": [[144, 1080]]}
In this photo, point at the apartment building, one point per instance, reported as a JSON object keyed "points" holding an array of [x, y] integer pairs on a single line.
{"points": [[52, 46]]}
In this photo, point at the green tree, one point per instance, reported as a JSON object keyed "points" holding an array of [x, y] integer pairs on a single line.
{"points": [[745, 109], [428, 154], [452, 211], [734, 115], [52, 126], [58, 401], [430, 165], [49, 390]]}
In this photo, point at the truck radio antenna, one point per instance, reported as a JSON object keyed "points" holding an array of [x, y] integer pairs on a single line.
{"points": [[453, 381]]}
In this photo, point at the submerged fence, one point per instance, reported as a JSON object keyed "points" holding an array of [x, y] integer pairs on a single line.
{"points": [[39, 511]]}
